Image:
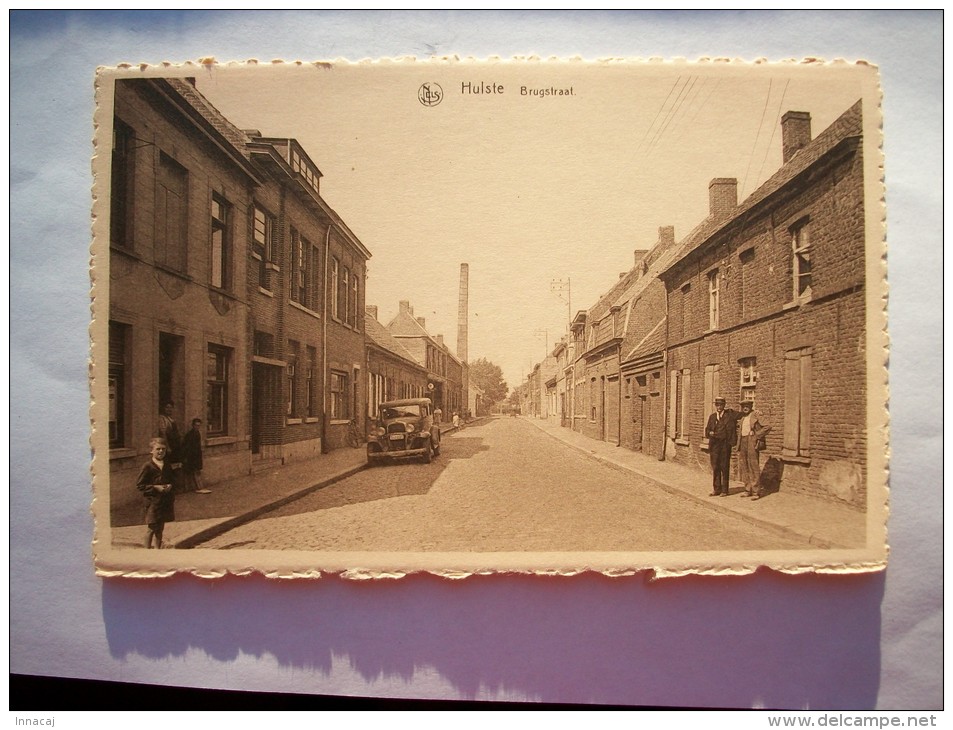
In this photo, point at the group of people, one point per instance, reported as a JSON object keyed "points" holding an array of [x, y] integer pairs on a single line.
{"points": [[724, 429], [175, 466]]}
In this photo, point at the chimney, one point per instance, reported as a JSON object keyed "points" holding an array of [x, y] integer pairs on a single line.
{"points": [[795, 133], [253, 133], [722, 197], [463, 313], [371, 309], [439, 339], [666, 236], [405, 307], [421, 321], [640, 254]]}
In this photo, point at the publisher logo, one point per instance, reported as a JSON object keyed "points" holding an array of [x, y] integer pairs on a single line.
{"points": [[430, 94]]}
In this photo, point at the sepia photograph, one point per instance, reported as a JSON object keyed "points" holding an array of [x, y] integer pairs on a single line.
{"points": [[466, 317]]}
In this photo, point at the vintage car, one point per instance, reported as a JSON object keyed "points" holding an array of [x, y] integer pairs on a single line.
{"points": [[404, 429]]}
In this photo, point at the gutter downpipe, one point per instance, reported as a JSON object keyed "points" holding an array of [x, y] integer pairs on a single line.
{"points": [[325, 421]]}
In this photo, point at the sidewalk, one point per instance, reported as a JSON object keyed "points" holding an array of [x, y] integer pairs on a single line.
{"points": [[233, 502], [200, 517], [823, 524]]}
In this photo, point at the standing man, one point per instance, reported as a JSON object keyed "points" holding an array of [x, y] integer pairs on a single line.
{"points": [[720, 431], [192, 458], [748, 434], [169, 430]]}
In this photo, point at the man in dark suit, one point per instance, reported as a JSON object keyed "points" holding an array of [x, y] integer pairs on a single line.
{"points": [[721, 433]]}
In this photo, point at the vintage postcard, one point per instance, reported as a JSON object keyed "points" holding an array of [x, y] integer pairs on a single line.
{"points": [[477, 316]]}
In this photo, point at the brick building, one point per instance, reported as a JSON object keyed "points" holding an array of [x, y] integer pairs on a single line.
{"points": [[477, 404], [179, 200], [444, 370], [563, 353], [306, 300], [642, 352], [392, 371], [227, 290], [766, 302]]}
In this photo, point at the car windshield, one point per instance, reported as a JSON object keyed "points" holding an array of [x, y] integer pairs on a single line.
{"points": [[400, 411]]}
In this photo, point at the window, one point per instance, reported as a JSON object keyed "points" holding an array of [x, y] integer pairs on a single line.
{"points": [[221, 243], [339, 399], [312, 409], [299, 270], [314, 283], [797, 403], [801, 259], [264, 344], [117, 384], [592, 399], [299, 165], [263, 233], [171, 213], [712, 389], [122, 192], [217, 380], [679, 389], [354, 299], [749, 378], [292, 372], [714, 285], [335, 285], [343, 299]]}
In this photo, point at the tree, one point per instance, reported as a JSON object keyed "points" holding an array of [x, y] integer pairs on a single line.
{"points": [[489, 378]]}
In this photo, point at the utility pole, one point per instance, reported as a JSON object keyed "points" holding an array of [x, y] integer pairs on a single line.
{"points": [[544, 332], [563, 291]]}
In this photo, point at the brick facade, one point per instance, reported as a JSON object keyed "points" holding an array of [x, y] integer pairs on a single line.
{"points": [[768, 304], [172, 307], [219, 290], [444, 370], [392, 371]]}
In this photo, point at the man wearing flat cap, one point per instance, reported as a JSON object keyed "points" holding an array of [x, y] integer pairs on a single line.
{"points": [[750, 431], [721, 431]]}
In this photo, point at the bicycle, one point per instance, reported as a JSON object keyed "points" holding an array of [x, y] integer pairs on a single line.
{"points": [[355, 436]]}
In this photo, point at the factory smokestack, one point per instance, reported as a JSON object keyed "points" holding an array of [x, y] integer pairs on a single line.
{"points": [[463, 313]]}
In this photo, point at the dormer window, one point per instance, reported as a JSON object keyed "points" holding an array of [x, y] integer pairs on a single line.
{"points": [[308, 172]]}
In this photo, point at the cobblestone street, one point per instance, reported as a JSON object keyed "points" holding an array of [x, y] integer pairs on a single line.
{"points": [[502, 485]]}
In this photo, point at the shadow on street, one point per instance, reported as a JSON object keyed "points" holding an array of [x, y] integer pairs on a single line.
{"points": [[393, 479]]}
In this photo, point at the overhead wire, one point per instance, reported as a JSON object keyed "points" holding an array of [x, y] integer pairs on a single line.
{"points": [[774, 128], [673, 111], [767, 98], [648, 131]]}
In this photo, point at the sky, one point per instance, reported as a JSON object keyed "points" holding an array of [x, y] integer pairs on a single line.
{"points": [[524, 188]]}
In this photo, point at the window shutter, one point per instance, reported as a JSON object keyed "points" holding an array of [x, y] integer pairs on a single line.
{"points": [[708, 394], [686, 400], [672, 402], [792, 403], [804, 425]]}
